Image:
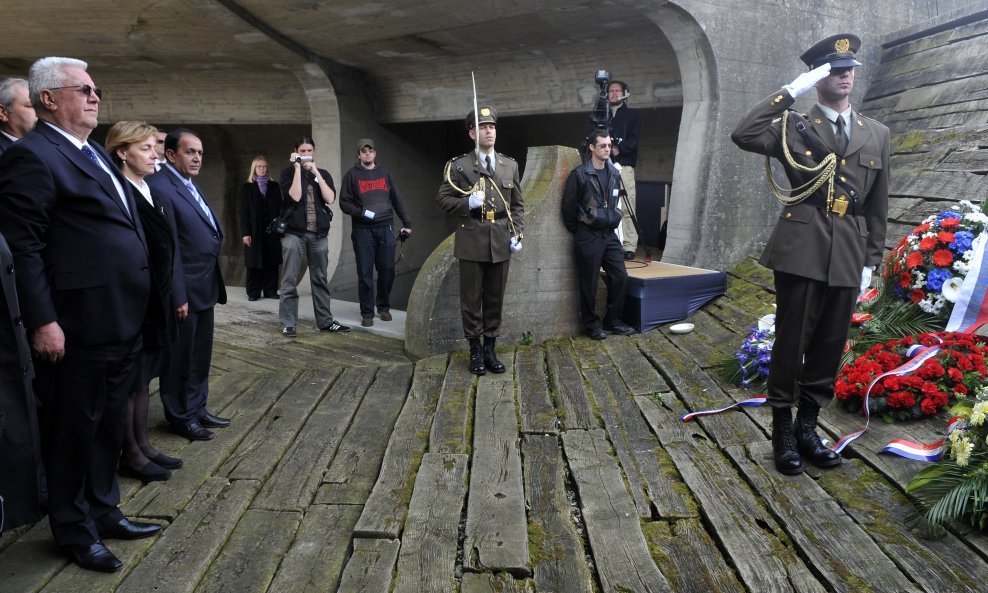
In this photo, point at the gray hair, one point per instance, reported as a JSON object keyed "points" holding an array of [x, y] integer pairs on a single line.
{"points": [[7, 91], [48, 73]]}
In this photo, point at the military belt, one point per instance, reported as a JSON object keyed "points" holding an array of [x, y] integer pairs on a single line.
{"points": [[488, 215]]}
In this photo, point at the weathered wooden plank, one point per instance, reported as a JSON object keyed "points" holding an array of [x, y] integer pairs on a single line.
{"points": [[495, 583], [451, 426], [384, 511], [559, 562], [357, 462], [709, 342], [612, 423], [294, 482], [369, 568], [201, 459], [698, 391], [426, 562], [640, 377], [73, 578], [315, 560], [590, 353], [944, 564], [251, 556], [688, 556], [663, 491], [496, 534], [258, 454], [749, 536], [185, 550], [619, 548], [572, 400], [844, 556], [537, 412]]}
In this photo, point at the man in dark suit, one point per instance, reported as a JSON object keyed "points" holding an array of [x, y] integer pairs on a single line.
{"points": [[826, 242], [83, 283], [481, 189], [198, 285], [17, 116]]}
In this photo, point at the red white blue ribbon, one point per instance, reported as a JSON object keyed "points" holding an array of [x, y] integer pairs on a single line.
{"points": [[919, 355], [971, 307], [919, 451], [748, 403]]}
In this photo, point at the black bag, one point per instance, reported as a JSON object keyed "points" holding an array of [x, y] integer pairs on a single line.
{"points": [[278, 224]]}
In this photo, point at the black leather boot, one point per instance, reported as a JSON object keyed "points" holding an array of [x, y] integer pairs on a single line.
{"points": [[787, 459], [476, 357], [490, 359], [808, 441]]}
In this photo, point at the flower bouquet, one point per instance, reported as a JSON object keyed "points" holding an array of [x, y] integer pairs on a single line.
{"points": [[927, 266], [956, 487], [749, 365], [957, 370]]}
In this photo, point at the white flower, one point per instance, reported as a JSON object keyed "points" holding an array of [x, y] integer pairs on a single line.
{"points": [[976, 217], [961, 450], [961, 267], [951, 289], [978, 413]]}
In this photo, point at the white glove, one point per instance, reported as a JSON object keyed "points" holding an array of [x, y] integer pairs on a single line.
{"points": [[807, 80], [866, 278], [369, 214], [477, 199], [514, 244]]}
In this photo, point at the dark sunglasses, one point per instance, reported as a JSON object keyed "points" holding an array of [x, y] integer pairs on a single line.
{"points": [[85, 89]]}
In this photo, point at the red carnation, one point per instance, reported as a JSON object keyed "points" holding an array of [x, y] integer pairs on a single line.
{"points": [[921, 229], [955, 375], [928, 407], [901, 399], [943, 257]]}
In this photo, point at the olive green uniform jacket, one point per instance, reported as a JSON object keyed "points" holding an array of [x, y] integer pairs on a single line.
{"points": [[808, 241], [483, 240]]}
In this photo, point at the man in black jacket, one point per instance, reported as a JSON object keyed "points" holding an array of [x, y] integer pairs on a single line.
{"points": [[368, 194], [590, 212], [625, 129]]}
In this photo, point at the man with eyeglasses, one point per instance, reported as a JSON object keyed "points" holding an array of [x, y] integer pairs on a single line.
{"points": [[197, 285], [17, 116], [84, 285], [590, 211]]}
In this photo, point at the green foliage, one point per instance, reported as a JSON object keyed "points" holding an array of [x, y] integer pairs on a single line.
{"points": [[526, 338], [947, 492]]}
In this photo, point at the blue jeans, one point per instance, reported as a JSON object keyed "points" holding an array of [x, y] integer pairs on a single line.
{"points": [[374, 247], [316, 251]]}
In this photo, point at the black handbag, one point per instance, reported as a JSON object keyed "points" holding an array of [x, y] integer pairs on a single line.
{"points": [[278, 224]]}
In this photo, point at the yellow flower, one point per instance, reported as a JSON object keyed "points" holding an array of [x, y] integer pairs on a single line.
{"points": [[979, 412], [962, 451]]}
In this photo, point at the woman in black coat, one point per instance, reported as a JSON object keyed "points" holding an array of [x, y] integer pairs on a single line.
{"points": [[260, 202], [131, 145]]}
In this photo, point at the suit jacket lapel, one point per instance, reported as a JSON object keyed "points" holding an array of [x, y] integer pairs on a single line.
{"points": [[183, 191], [860, 133], [823, 129]]}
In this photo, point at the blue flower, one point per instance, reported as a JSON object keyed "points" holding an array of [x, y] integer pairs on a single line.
{"points": [[945, 214], [962, 242], [936, 277]]}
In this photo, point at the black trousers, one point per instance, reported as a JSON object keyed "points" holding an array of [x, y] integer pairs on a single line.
{"points": [[596, 249], [185, 373], [83, 414], [812, 321], [482, 297], [262, 281]]}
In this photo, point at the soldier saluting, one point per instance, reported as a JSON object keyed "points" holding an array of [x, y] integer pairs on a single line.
{"points": [[827, 241], [481, 189]]}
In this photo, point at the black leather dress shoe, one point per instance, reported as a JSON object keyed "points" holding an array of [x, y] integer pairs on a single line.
{"points": [[167, 462], [620, 329], [597, 334], [127, 529], [192, 431], [93, 557], [210, 421], [150, 472]]}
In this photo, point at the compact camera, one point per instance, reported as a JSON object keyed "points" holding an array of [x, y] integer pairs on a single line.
{"points": [[403, 235]]}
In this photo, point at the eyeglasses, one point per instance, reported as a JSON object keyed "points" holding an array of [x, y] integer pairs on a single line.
{"points": [[85, 89]]}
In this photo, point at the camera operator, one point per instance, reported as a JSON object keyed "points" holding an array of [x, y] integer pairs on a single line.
{"points": [[625, 129], [368, 194], [307, 192], [590, 212]]}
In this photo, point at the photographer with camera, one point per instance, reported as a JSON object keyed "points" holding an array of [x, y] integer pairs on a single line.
{"points": [[307, 191], [368, 194], [625, 129], [590, 211]]}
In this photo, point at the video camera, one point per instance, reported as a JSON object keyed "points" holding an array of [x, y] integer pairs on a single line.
{"points": [[302, 159], [599, 114], [403, 235]]}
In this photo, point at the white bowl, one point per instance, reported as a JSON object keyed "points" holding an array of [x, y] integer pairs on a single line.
{"points": [[681, 328]]}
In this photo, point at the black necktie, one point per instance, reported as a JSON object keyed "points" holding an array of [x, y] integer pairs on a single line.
{"points": [[841, 135], [487, 159]]}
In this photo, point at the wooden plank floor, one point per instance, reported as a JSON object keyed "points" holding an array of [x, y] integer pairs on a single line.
{"points": [[349, 467]]}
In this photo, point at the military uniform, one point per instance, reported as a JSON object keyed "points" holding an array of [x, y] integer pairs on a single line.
{"points": [[819, 246], [482, 235]]}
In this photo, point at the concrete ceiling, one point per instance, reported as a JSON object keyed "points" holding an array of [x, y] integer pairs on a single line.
{"points": [[221, 61]]}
